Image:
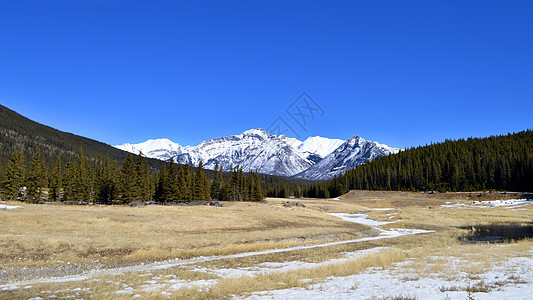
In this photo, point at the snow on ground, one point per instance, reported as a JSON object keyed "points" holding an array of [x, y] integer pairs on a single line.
{"points": [[284, 266], [360, 219], [511, 279], [2, 206], [511, 203], [175, 284]]}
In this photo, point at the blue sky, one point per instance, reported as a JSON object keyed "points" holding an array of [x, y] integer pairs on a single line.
{"points": [[404, 73]]}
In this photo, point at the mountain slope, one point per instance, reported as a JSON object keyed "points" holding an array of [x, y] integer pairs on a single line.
{"points": [[318, 147], [502, 163], [351, 153], [163, 149], [256, 149], [17, 131]]}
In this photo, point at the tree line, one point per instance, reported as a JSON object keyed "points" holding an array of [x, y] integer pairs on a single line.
{"points": [[105, 181], [493, 163], [475, 164]]}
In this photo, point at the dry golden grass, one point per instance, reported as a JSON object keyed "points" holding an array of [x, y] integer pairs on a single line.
{"points": [[42, 234], [38, 234]]}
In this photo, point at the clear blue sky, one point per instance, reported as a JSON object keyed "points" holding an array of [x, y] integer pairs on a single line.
{"points": [[404, 73]]}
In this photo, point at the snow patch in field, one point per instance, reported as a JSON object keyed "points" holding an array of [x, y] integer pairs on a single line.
{"points": [[509, 203], [509, 279], [360, 219], [284, 267], [9, 287], [2, 206]]}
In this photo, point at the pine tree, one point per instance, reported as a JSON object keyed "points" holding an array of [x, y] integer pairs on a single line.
{"points": [[216, 185], [256, 191], [161, 185], [171, 191], [201, 184], [147, 186], [68, 182], [185, 183], [14, 175], [115, 182], [129, 187], [56, 180], [106, 186], [80, 180]]}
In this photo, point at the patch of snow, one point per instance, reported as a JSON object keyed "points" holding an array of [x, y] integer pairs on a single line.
{"points": [[5, 207], [197, 283], [284, 267], [126, 291], [509, 279], [9, 287], [319, 145], [360, 219], [510, 203]]}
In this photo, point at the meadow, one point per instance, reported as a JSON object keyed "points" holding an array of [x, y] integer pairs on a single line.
{"points": [[257, 250]]}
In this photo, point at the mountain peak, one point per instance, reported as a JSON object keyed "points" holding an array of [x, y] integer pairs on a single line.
{"points": [[320, 146], [257, 131], [256, 149]]}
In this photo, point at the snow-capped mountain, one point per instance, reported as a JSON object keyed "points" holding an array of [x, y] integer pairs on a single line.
{"points": [[252, 150], [316, 147], [315, 158], [162, 149], [351, 153]]}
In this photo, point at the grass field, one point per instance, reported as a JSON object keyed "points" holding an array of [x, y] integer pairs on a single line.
{"points": [[106, 252]]}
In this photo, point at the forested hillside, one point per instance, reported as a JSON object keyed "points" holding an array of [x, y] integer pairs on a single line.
{"points": [[107, 182], [18, 132], [56, 166], [493, 163]]}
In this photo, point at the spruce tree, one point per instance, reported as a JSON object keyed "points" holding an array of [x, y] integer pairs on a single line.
{"points": [[216, 185], [106, 187], [129, 188], [256, 191], [68, 182], [56, 180], [201, 184], [147, 186], [81, 180], [14, 175], [172, 184], [160, 192], [185, 183]]}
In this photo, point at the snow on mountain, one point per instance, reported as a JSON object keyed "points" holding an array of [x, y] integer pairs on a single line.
{"points": [[256, 149], [162, 149], [320, 146], [351, 153]]}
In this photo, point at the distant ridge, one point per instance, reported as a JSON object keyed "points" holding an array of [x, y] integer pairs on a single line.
{"points": [[316, 158]]}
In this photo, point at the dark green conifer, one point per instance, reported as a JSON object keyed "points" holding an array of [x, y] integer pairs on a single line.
{"points": [[129, 187], [14, 175], [56, 180]]}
